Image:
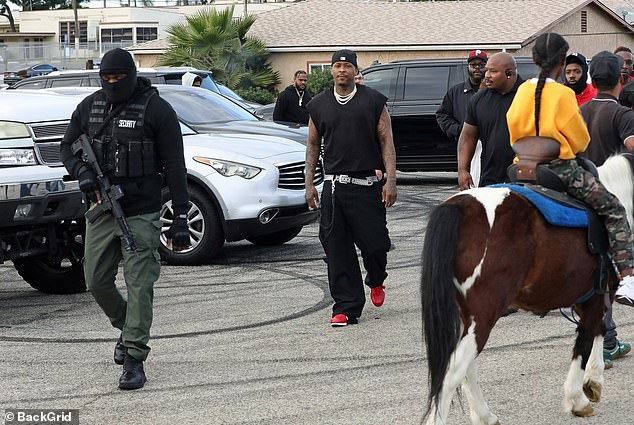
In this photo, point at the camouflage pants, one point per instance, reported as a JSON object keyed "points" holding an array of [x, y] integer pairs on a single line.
{"points": [[582, 185]]}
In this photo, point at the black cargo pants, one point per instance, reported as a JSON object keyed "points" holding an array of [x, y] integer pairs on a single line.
{"points": [[353, 215]]}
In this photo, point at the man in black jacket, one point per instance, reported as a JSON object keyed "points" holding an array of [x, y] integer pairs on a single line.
{"points": [[451, 114], [291, 103], [136, 137]]}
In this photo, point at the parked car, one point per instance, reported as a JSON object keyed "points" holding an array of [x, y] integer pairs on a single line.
{"points": [[265, 112], [41, 214], [242, 184], [167, 75], [415, 89], [12, 77], [40, 69]]}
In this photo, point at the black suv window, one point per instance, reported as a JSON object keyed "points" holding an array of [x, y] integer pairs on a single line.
{"points": [[379, 80], [426, 83]]}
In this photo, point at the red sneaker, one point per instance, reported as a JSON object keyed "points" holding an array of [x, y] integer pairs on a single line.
{"points": [[339, 320], [377, 294]]}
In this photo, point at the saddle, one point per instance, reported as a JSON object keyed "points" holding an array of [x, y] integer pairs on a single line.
{"points": [[531, 173]]}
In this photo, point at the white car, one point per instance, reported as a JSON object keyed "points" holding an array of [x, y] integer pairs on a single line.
{"points": [[41, 214], [242, 186]]}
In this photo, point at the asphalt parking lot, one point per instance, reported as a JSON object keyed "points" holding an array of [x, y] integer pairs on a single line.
{"points": [[246, 340]]}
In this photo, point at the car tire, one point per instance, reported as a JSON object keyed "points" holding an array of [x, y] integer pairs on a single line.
{"points": [[63, 274], [276, 238], [205, 229]]}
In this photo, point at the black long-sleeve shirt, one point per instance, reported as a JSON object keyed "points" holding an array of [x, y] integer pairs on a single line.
{"points": [[451, 114], [288, 108], [142, 195]]}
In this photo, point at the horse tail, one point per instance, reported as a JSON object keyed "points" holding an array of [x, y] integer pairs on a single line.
{"points": [[617, 177], [441, 319]]}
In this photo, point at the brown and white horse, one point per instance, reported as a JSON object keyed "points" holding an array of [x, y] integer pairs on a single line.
{"points": [[488, 248]]}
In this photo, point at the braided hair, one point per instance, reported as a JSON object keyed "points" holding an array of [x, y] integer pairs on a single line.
{"points": [[549, 52]]}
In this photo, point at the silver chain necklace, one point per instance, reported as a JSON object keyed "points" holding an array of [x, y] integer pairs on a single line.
{"points": [[343, 99], [300, 96]]}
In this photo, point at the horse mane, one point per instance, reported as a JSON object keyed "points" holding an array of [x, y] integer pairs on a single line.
{"points": [[617, 176]]}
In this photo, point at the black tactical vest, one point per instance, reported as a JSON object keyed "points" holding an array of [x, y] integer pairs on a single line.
{"points": [[121, 147]]}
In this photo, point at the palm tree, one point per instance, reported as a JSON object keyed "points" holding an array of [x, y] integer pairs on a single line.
{"points": [[215, 41]]}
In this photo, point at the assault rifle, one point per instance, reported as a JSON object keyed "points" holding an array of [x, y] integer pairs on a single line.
{"points": [[110, 194]]}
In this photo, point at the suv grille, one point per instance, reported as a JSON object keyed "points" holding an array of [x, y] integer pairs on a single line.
{"points": [[292, 175], [48, 153], [49, 130], [47, 137]]}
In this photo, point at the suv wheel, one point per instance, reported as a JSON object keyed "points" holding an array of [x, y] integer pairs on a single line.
{"points": [[205, 229], [276, 238], [63, 272]]}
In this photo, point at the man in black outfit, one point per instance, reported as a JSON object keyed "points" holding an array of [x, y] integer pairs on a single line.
{"points": [[486, 120], [291, 103], [136, 137], [450, 116], [611, 128], [357, 132], [451, 113]]}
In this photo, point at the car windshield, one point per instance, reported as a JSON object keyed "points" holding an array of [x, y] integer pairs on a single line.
{"points": [[200, 106]]}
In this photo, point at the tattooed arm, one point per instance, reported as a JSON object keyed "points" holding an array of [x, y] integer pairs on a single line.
{"points": [[312, 156], [384, 131]]}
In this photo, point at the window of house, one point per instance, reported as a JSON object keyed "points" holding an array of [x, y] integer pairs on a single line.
{"points": [[318, 67], [426, 82], [146, 34], [67, 32], [120, 36]]}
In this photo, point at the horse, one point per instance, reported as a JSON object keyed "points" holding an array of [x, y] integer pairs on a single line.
{"points": [[489, 248]]}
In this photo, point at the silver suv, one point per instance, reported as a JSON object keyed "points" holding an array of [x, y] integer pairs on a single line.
{"points": [[41, 215]]}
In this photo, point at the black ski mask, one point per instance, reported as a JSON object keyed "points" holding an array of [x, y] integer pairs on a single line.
{"points": [[118, 61], [579, 59]]}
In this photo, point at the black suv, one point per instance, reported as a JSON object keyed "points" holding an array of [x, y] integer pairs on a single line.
{"points": [[415, 89]]}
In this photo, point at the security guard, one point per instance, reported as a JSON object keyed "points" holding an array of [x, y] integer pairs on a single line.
{"points": [[136, 137], [358, 154]]}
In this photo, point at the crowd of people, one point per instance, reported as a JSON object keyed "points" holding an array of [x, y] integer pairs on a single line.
{"points": [[587, 109]]}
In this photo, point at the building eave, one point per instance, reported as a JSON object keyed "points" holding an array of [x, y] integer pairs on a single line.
{"points": [[391, 47]]}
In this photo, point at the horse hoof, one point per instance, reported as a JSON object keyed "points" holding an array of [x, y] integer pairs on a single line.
{"points": [[592, 390], [585, 412]]}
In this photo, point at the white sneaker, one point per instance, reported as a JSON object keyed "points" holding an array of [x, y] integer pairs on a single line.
{"points": [[625, 291]]}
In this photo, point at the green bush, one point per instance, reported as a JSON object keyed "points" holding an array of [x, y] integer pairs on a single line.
{"points": [[320, 80], [258, 95]]}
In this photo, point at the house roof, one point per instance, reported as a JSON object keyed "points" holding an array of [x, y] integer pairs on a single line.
{"points": [[372, 25], [324, 25]]}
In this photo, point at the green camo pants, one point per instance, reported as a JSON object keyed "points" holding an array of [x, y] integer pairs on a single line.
{"points": [[101, 260], [582, 185]]}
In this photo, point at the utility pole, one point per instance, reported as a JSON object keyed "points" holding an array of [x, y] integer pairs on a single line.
{"points": [[74, 3], [245, 8]]}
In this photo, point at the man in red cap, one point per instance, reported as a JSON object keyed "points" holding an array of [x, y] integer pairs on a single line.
{"points": [[450, 116]]}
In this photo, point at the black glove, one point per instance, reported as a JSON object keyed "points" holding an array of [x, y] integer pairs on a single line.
{"points": [[87, 180], [179, 232]]}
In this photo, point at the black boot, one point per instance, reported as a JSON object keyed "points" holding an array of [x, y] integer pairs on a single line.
{"points": [[119, 351], [133, 376]]}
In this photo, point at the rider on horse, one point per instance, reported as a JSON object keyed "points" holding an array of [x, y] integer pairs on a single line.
{"points": [[545, 108]]}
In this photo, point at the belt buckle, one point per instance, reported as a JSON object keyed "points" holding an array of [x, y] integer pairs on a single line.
{"points": [[343, 179]]}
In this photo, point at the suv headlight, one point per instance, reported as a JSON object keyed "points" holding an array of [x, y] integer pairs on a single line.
{"points": [[228, 168], [17, 157], [13, 130]]}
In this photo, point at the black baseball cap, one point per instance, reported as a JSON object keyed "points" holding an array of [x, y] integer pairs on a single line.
{"points": [[577, 58], [605, 68], [345, 55]]}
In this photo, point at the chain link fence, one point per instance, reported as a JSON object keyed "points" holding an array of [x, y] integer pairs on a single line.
{"points": [[18, 56]]}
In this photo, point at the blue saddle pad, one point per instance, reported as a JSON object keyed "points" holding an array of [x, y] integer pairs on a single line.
{"points": [[554, 213]]}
